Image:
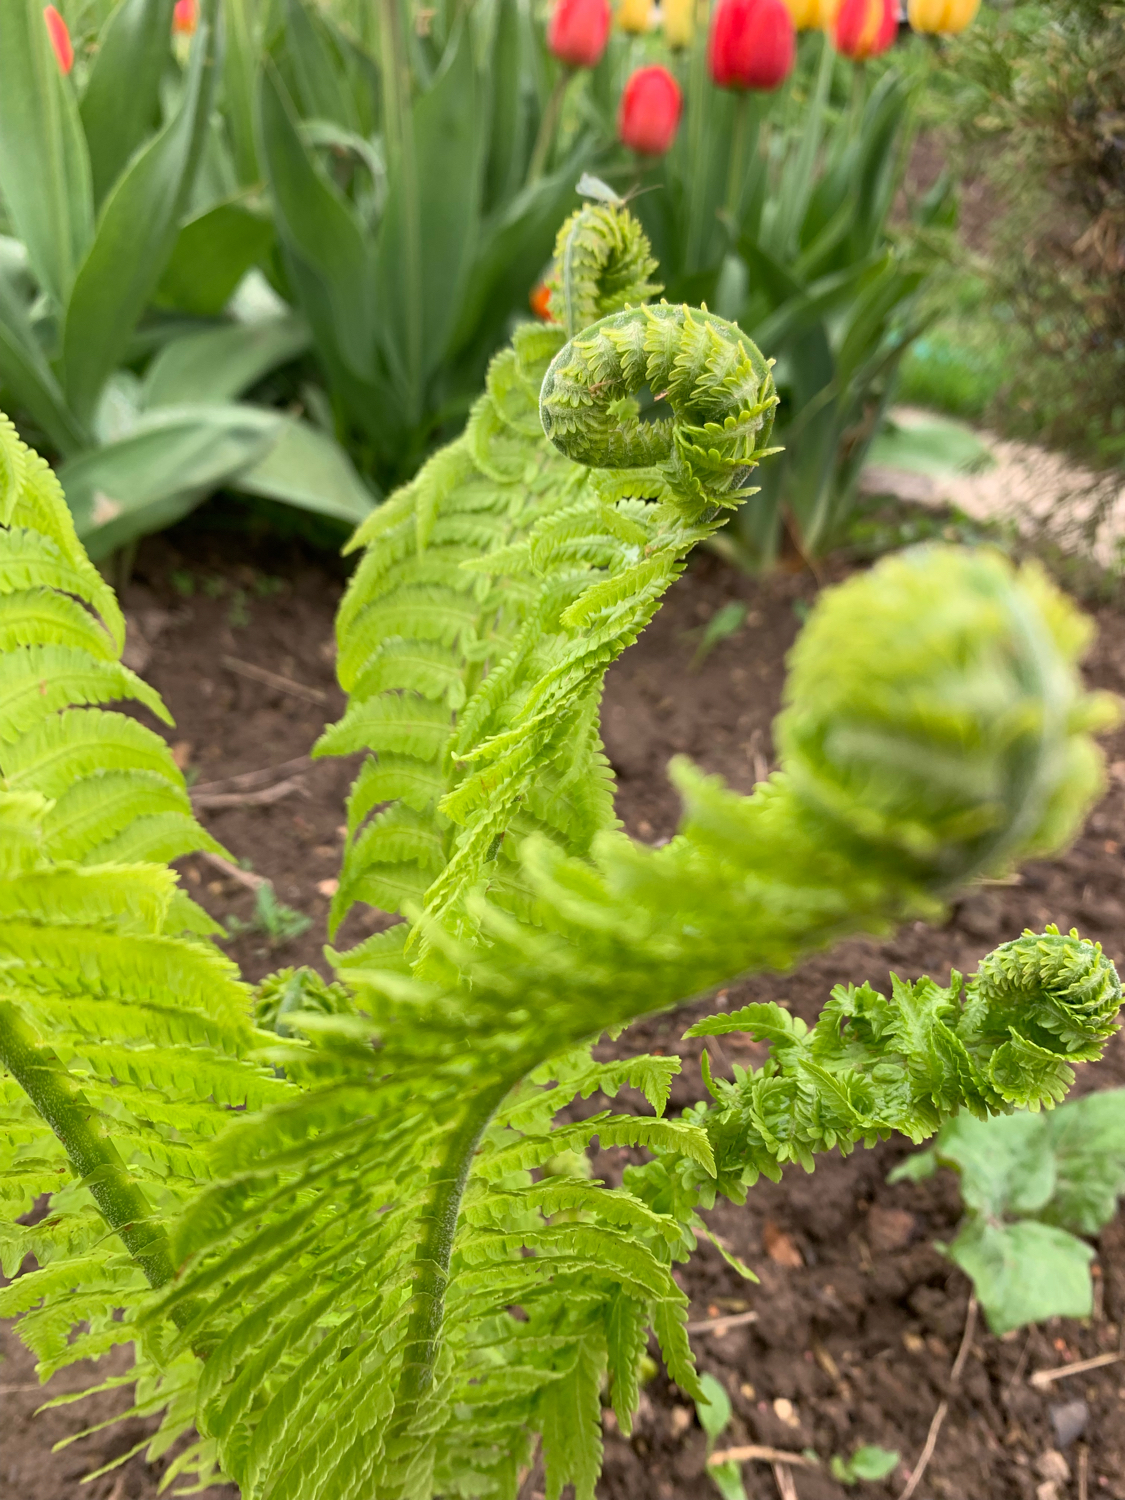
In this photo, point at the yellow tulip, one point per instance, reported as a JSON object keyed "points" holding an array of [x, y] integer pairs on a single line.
{"points": [[941, 17], [812, 15], [635, 16], [679, 22]]}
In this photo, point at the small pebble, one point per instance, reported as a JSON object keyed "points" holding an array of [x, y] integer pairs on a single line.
{"points": [[681, 1420], [1069, 1419], [787, 1412], [1052, 1466]]}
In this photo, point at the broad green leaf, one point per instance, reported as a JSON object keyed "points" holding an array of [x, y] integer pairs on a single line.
{"points": [[240, 62], [135, 235], [44, 164], [1006, 1163], [172, 454], [1088, 1140], [714, 1413], [306, 468], [121, 104], [1025, 1272], [429, 233], [24, 371], [320, 229], [213, 252], [316, 71], [218, 364]]}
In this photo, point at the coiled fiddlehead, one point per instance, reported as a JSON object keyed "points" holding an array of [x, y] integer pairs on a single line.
{"points": [[603, 264], [964, 736], [714, 379], [1035, 1005]]}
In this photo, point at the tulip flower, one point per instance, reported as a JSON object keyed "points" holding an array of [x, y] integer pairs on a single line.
{"points": [[651, 103], [60, 38], [813, 15], [539, 301], [753, 44], [864, 28], [578, 31], [635, 16], [678, 19], [185, 17], [941, 17]]}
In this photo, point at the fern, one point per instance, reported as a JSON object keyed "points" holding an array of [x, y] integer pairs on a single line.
{"points": [[351, 1244], [498, 587]]}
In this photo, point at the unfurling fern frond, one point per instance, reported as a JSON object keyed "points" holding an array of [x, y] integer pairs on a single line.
{"points": [[124, 1045], [389, 1276], [406, 1176], [498, 587]]}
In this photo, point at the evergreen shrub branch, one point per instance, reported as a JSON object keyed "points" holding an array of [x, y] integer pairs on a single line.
{"points": [[385, 1279]]}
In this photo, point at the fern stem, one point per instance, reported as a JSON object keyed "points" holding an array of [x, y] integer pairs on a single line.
{"points": [[94, 1158], [433, 1255]]}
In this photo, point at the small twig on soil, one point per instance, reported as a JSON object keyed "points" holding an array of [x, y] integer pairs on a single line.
{"points": [[721, 1323], [943, 1406], [1043, 1378], [1018, 1371], [261, 798], [786, 1484], [1083, 1472], [274, 680], [244, 780], [10, 1390], [244, 877], [759, 1453]]}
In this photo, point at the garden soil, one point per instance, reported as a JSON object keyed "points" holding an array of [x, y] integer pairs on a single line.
{"points": [[850, 1336]]}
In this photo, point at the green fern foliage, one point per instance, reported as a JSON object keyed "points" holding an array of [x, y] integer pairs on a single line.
{"points": [[355, 1239], [124, 1044], [116, 793], [497, 588]]}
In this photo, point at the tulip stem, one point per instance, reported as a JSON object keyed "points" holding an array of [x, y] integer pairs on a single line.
{"points": [[736, 176], [548, 127]]}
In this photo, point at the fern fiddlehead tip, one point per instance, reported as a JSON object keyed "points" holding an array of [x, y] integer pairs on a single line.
{"points": [[960, 743]]}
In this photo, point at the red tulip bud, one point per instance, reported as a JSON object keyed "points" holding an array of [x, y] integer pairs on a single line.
{"points": [[540, 302], [651, 102], [578, 31], [864, 28], [185, 17], [753, 44], [60, 38]]}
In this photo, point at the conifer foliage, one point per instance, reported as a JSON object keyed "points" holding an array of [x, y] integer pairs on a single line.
{"points": [[350, 1237]]}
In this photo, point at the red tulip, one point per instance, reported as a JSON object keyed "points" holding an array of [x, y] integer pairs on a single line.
{"points": [[864, 28], [540, 302], [60, 38], [651, 102], [578, 31], [753, 44], [185, 17]]}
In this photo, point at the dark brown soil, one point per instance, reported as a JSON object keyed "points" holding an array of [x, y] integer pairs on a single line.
{"points": [[858, 1315]]}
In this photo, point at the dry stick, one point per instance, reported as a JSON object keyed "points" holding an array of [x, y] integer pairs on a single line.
{"points": [[786, 1484], [714, 1325], [939, 1416], [274, 680], [247, 779], [244, 877], [262, 798], [1043, 1378], [1083, 1472], [759, 1453]]}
